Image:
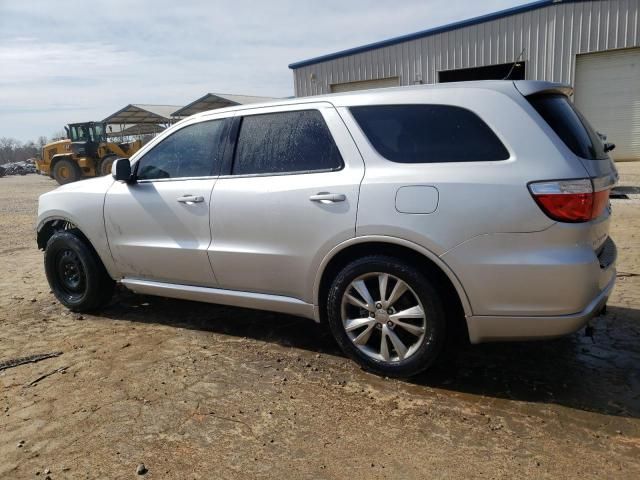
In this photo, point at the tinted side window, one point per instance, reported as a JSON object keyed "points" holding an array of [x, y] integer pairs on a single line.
{"points": [[285, 142], [193, 151], [428, 134], [569, 124]]}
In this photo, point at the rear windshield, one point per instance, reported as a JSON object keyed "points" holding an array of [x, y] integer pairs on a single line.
{"points": [[569, 124], [429, 134]]}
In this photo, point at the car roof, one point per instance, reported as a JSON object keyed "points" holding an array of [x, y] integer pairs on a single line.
{"points": [[525, 87]]}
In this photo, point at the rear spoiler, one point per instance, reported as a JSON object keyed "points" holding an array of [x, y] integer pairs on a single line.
{"points": [[533, 87]]}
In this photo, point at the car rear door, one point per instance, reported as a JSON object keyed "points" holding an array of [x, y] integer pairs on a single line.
{"points": [[289, 195], [158, 227]]}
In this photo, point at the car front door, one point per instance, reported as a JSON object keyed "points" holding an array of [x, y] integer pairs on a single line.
{"points": [[158, 226], [289, 196]]}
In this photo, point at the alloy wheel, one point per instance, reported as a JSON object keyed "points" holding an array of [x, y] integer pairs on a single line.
{"points": [[383, 317]]}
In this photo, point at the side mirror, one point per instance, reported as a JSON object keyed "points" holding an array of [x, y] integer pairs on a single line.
{"points": [[121, 170]]}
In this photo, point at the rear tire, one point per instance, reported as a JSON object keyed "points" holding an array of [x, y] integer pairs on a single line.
{"points": [[75, 273], [400, 330], [106, 163], [66, 171]]}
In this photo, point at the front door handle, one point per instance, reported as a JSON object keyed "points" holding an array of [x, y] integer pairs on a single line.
{"points": [[190, 199], [326, 197]]}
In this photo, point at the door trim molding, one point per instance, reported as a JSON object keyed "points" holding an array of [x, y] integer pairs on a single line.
{"points": [[259, 301]]}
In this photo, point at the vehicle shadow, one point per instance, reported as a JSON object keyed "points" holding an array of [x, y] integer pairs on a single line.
{"points": [[598, 375], [278, 328]]}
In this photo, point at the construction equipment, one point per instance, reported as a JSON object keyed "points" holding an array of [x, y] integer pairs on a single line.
{"points": [[84, 153]]}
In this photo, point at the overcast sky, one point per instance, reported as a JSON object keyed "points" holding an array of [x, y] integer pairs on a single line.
{"points": [[72, 61]]}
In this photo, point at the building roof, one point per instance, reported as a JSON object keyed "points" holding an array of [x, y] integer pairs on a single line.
{"points": [[432, 31], [212, 101], [138, 113]]}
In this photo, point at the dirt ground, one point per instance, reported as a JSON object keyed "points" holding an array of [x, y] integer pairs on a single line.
{"points": [[200, 391]]}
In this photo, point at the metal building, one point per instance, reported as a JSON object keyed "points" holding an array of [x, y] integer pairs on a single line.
{"points": [[592, 45]]}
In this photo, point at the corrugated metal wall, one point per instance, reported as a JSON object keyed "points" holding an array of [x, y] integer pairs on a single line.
{"points": [[551, 37]]}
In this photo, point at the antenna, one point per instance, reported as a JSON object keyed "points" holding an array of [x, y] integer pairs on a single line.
{"points": [[506, 77]]}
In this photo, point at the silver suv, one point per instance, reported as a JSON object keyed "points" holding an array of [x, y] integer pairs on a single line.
{"points": [[394, 215]]}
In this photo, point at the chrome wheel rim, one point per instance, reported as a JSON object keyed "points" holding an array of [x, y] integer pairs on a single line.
{"points": [[383, 317]]}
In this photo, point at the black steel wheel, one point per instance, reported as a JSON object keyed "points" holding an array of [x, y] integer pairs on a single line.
{"points": [[70, 272], [75, 273]]}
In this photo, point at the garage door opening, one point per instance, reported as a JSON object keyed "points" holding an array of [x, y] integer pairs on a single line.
{"points": [[503, 71], [607, 92]]}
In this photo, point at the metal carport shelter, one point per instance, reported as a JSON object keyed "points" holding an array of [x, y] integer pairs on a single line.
{"points": [[134, 130], [140, 119], [212, 101], [134, 114]]}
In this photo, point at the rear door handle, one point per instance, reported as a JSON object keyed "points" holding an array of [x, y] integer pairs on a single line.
{"points": [[325, 197], [190, 199]]}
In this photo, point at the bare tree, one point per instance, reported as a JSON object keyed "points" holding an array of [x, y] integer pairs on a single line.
{"points": [[58, 135], [12, 150]]}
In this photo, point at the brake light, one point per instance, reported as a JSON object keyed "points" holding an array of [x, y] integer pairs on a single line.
{"points": [[572, 201]]}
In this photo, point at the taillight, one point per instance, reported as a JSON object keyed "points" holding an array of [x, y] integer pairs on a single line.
{"points": [[572, 200]]}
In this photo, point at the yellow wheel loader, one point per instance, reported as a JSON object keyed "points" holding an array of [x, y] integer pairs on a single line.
{"points": [[85, 153]]}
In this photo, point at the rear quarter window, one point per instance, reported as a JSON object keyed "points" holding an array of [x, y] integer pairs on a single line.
{"points": [[429, 134], [569, 124]]}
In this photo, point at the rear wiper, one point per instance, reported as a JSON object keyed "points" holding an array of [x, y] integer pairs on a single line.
{"points": [[607, 146]]}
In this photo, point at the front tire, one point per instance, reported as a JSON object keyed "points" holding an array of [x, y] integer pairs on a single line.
{"points": [[75, 273], [387, 316], [66, 171]]}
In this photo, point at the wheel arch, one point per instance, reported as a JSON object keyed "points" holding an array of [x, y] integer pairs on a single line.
{"points": [[456, 299], [50, 225]]}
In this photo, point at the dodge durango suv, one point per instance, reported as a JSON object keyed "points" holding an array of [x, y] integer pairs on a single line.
{"points": [[396, 215]]}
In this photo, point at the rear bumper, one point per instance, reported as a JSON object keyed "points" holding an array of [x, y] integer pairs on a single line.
{"points": [[501, 328]]}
